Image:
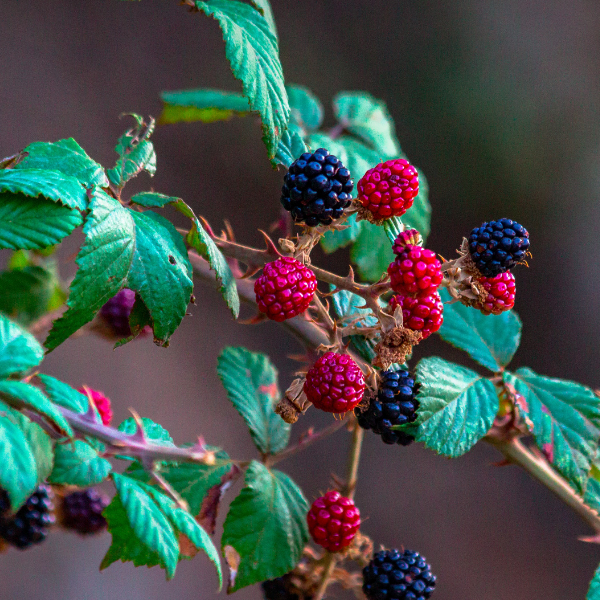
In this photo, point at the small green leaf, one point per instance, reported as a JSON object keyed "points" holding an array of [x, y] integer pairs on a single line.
{"points": [[23, 395], [153, 199], [77, 463], [251, 383], [491, 340], [266, 525], [368, 118], [206, 105], [66, 156], [19, 350], [252, 50], [371, 252], [594, 591], [64, 395], [155, 433], [53, 185], [31, 223], [290, 147], [564, 418], [306, 108], [457, 407]]}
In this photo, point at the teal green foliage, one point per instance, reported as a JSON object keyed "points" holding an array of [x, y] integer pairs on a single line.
{"points": [[19, 350], [594, 591], [78, 463], [205, 105]]}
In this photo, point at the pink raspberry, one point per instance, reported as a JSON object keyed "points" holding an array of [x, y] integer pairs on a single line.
{"points": [[285, 289], [101, 402], [335, 383], [415, 272], [420, 314], [388, 190], [501, 291], [333, 521]]}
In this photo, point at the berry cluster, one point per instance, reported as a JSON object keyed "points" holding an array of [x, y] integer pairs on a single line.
{"points": [[333, 521], [316, 188], [395, 405], [82, 511], [395, 575]]}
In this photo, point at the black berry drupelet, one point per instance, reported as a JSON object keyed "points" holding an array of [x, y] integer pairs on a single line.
{"points": [[82, 511], [395, 405], [395, 575], [31, 522], [282, 588], [497, 246], [316, 188]]}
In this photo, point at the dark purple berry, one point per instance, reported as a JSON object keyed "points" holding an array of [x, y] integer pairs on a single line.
{"points": [[82, 511]]}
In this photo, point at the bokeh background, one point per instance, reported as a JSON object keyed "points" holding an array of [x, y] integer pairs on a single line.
{"points": [[497, 102]]}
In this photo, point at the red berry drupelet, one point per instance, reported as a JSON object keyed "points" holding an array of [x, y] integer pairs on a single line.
{"points": [[101, 402], [388, 190], [333, 521], [335, 383], [82, 511], [420, 314], [415, 272], [501, 291], [285, 289], [408, 237], [395, 575]]}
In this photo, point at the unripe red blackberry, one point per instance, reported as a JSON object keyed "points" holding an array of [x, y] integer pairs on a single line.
{"points": [[415, 272], [333, 521], [420, 314], [317, 188], [82, 511], [409, 237], [101, 402], [335, 383], [501, 291], [388, 190], [396, 575], [285, 289], [115, 313], [29, 525], [498, 246]]}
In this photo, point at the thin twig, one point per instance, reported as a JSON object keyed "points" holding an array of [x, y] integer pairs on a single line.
{"points": [[330, 564], [353, 460]]}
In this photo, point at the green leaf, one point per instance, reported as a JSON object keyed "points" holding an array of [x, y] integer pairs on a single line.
{"points": [[77, 463], [66, 156], [206, 105], [136, 153], [252, 50], [306, 108], [154, 432], [153, 199], [334, 240], [27, 293], [368, 119], [265, 8], [53, 185], [490, 340], [594, 591], [24, 395], [64, 395], [418, 216], [251, 383], [457, 407], [140, 531], [564, 418], [290, 147], [392, 228], [19, 350], [32, 224], [103, 265], [266, 525], [371, 252]]}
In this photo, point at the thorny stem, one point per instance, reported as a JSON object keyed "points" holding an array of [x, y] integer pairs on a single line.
{"points": [[353, 460], [330, 564]]}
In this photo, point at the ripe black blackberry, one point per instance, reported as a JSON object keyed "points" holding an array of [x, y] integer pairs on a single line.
{"points": [[82, 511], [316, 188], [498, 246], [395, 575], [31, 522], [395, 405], [282, 588]]}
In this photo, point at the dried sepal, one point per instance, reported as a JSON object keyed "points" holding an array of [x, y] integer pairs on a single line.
{"points": [[395, 346], [294, 402]]}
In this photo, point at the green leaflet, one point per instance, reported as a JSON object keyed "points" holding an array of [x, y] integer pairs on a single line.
{"points": [[265, 8], [53, 185], [371, 252], [77, 463], [252, 50], [334, 240], [266, 526], [594, 591], [251, 383], [154, 432], [306, 108], [64, 395], [457, 407], [19, 350], [290, 147], [206, 105], [153, 199], [368, 118], [66, 156], [31, 224], [23, 395], [564, 418], [491, 340]]}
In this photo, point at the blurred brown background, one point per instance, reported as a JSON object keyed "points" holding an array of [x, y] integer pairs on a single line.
{"points": [[497, 102]]}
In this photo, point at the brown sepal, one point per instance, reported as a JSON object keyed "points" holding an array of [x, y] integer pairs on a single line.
{"points": [[395, 346], [294, 402]]}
